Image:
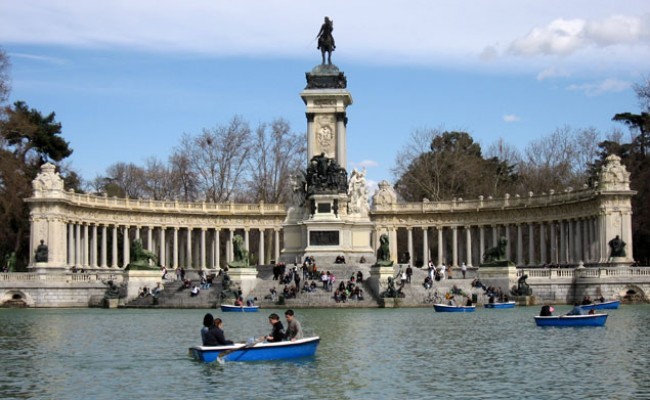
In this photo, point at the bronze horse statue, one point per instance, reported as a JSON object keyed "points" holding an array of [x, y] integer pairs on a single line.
{"points": [[326, 40]]}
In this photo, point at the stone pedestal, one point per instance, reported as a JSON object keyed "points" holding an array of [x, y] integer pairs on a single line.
{"points": [[619, 262], [245, 278], [378, 281], [500, 277], [136, 279], [525, 300]]}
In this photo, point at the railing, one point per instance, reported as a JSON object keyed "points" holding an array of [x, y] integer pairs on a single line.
{"points": [[8, 277], [91, 200], [563, 273], [531, 200]]}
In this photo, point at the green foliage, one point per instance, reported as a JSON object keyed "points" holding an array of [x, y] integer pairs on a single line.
{"points": [[27, 140], [454, 167]]}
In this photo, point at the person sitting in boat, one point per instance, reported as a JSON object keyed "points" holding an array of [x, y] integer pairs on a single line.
{"points": [[250, 302], [239, 302], [586, 300], [547, 311], [577, 310], [216, 334], [451, 301], [277, 333], [294, 330], [208, 322], [469, 302]]}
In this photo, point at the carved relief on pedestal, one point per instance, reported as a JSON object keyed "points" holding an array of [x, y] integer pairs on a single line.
{"points": [[325, 128]]}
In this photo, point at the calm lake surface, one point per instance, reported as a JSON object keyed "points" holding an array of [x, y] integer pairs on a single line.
{"points": [[364, 354]]}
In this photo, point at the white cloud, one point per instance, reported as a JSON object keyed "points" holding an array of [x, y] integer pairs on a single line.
{"points": [[598, 88], [365, 164], [552, 72], [567, 36], [511, 118]]}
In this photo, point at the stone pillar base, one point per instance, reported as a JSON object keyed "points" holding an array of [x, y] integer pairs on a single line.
{"points": [[378, 281], [245, 278], [525, 300]]}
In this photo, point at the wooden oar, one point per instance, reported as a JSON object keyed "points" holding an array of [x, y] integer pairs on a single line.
{"points": [[223, 354]]}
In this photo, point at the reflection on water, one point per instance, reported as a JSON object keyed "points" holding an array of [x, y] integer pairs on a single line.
{"points": [[374, 353]]}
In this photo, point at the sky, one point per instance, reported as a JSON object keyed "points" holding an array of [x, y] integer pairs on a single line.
{"points": [[128, 78]]}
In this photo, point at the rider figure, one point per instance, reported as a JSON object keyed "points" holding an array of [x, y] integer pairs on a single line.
{"points": [[326, 40]]}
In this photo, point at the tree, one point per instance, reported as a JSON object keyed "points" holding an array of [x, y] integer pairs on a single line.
{"points": [[275, 154], [453, 166], [28, 131], [27, 140], [217, 158]]}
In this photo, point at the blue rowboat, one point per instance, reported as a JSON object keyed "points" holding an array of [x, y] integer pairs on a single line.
{"points": [[446, 308], [572, 320], [508, 304], [605, 305], [229, 308], [258, 351]]}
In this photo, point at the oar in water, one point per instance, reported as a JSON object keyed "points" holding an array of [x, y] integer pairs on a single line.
{"points": [[223, 354]]}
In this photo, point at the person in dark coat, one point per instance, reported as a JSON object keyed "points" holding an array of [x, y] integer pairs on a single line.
{"points": [[277, 333]]}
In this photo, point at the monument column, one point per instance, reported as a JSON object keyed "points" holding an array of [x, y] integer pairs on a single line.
{"points": [[409, 233], [441, 250], [454, 243], [520, 245]]}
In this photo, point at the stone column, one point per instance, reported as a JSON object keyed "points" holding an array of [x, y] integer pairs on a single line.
{"points": [[277, 245], [579, 246], [217, 250], [71, 244], [495, 235], [520, 245], [104, 260], [247, 243], [78, 259], [93, 247], [531, 244], [425, 245], [163, 248], [481, 244], [409, 234], [203, 257], [542, 244], [454, 244], [229, 250], [125, 250], [508, 246], [468, 244], [563, 252], [175, 248], [114, 252], [86, 246], [552, 226], [261, 247], [571, 243], [441, 249], [188, 249]]}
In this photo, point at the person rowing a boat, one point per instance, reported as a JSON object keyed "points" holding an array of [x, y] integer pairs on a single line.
{"points": [[294, 330], [277, 333], [547, 311]]}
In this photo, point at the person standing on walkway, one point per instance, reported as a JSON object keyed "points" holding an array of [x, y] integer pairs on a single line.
{"points": [[463, 269]]}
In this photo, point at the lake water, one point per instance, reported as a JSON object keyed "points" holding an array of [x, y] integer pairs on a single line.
{"points": [[364, 354]]}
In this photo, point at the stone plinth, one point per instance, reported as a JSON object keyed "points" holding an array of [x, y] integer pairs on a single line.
{"points": [[503, 277], [378, 281], [136, 279], [525, 300], [245, 278]]}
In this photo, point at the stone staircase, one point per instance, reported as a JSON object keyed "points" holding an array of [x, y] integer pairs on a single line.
{"points": [[175, 296], [415, 295]]}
